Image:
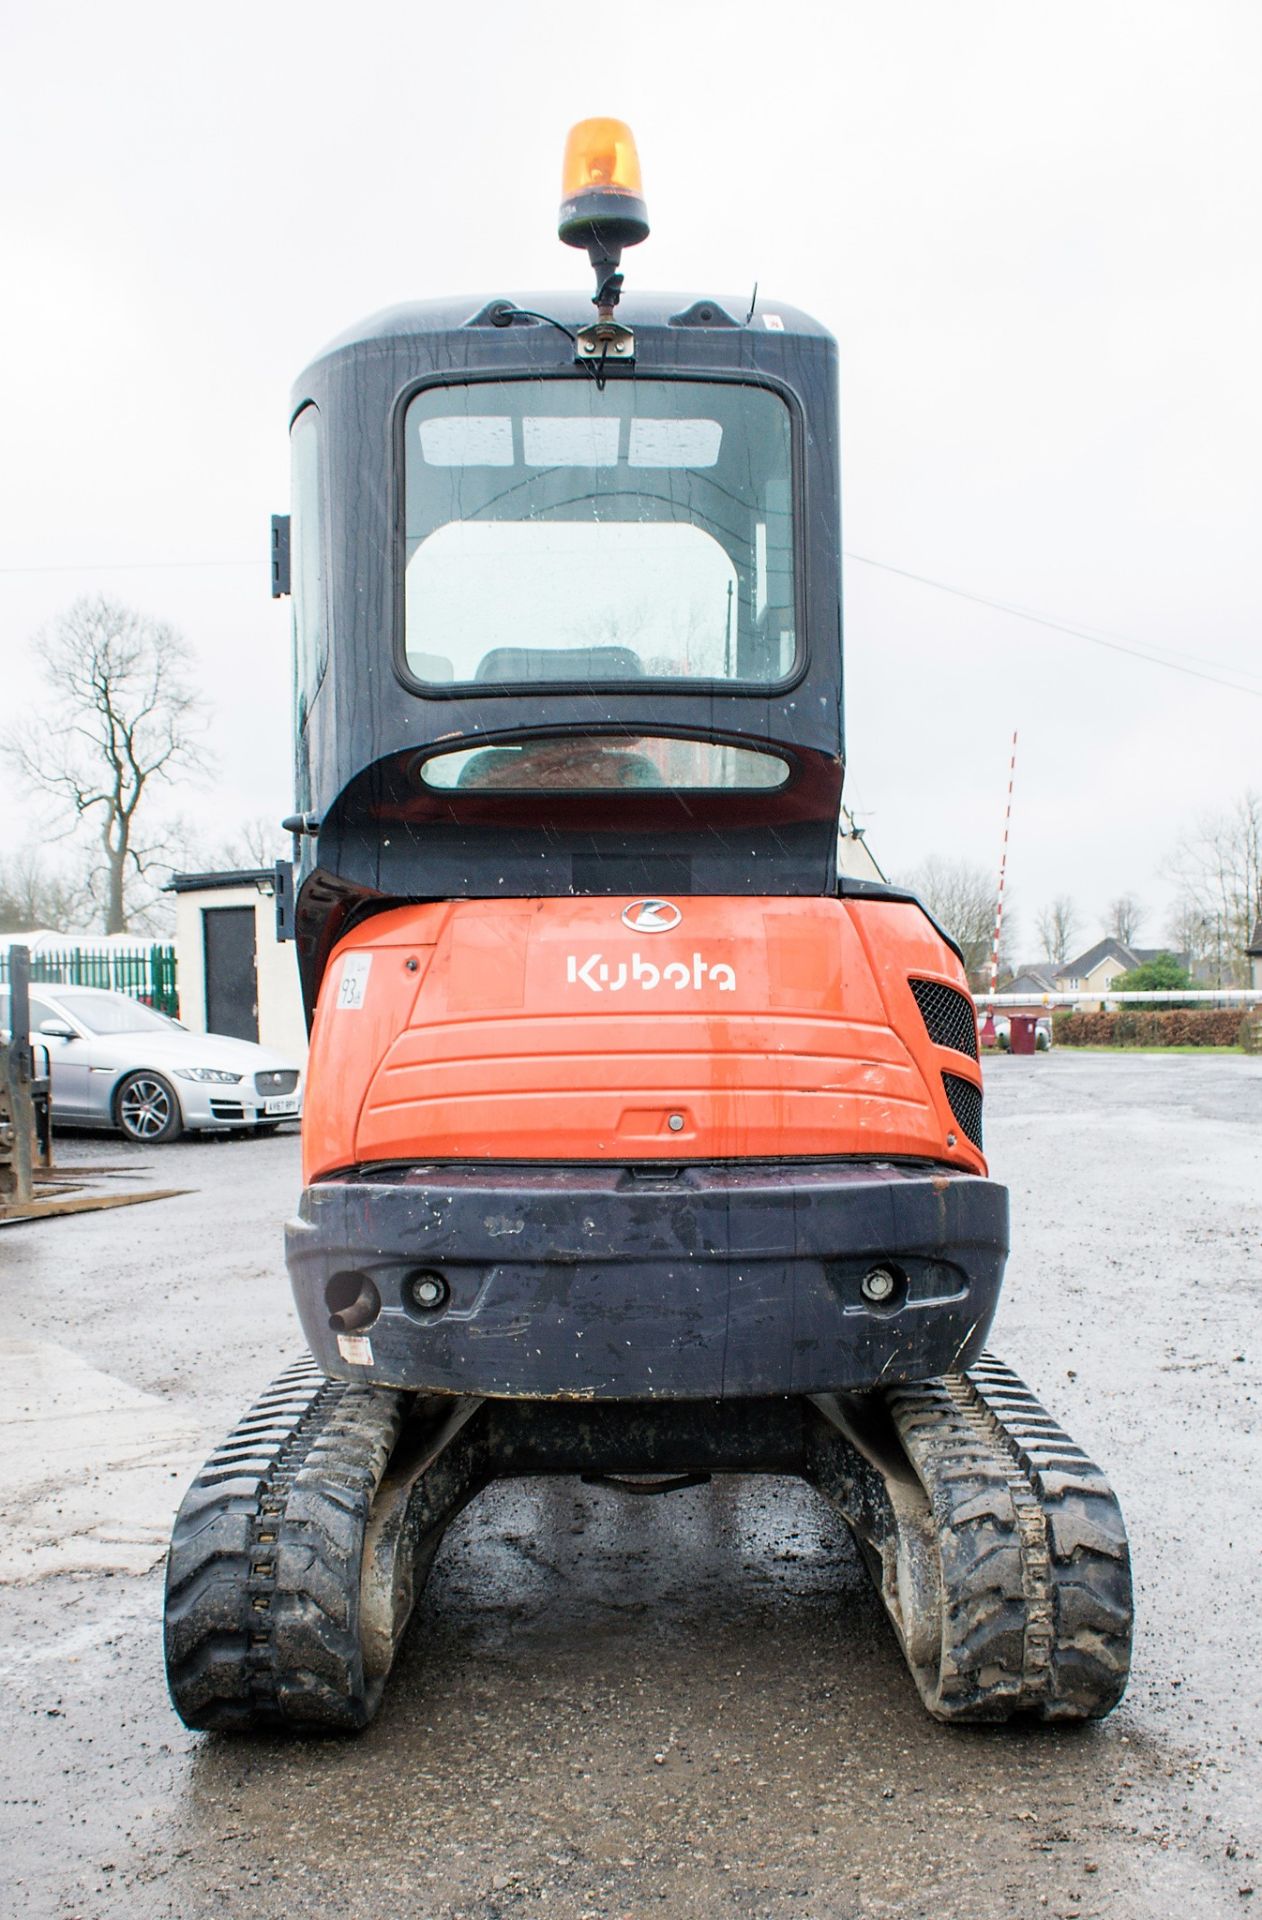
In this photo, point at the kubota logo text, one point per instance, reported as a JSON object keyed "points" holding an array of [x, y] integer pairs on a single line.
{"points": [[603, 976]]}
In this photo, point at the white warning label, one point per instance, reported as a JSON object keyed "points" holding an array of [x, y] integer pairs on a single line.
{"points": [[355, 1349], [353, 985]]}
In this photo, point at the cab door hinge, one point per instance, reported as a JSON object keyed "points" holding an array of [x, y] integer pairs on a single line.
{"points": [[280, 555], [284, 896]]}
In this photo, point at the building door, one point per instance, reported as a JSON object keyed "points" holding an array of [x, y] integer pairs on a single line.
{"points": [[232, 992]]}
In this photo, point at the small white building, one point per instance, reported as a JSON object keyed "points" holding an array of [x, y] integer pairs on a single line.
{"points": [[234, 975]]}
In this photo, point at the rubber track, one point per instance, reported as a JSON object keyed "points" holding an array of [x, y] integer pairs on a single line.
{"points": [[262, 1591], [1035, 1568], [263, 1576]]}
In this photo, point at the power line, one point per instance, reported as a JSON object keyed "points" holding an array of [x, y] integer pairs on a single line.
{"points": [[134, 566], [1154, 659]]}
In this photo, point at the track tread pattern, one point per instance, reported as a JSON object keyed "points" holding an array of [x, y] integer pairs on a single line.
{"points": [[262, 1592], [1036, 1613], [1028, 1608]]}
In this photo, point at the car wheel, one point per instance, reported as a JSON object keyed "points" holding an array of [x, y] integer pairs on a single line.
{"points": [[146, 1108]]}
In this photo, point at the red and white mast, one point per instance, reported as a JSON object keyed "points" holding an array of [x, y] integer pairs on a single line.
{"points": [[1003, 868]]}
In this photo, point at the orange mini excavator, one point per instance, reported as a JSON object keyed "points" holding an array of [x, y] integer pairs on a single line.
{"points": [[641, 1138]]}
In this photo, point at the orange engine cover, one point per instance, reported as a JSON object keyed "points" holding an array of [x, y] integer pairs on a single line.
{"points": [[553, 1030]]}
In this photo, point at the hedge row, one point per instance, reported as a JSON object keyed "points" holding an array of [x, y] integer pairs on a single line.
{"points": [[1150, 1027]]}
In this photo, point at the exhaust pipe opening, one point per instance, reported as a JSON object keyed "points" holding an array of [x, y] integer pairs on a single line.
{"points": [[353, 1302]]}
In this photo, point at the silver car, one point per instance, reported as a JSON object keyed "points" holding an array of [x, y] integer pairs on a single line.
{"points": [[117, 1063]]}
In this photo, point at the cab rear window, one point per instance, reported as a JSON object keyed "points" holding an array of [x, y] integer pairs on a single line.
{"points": [[560, 532], [603, 763]]}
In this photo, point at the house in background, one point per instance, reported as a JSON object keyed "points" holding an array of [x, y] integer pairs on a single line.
{"points": [[234, 975], [1032, 980], [1103, 965]]}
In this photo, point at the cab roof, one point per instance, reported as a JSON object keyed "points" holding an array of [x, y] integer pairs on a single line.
{"points": [[573, 309]]}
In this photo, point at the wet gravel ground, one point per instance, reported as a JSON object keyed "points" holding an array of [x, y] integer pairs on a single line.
{"points": [[688, 1706]]}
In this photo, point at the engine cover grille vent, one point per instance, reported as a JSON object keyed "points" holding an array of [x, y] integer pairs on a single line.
{"points": [[966, 1105], [948, 1014]]}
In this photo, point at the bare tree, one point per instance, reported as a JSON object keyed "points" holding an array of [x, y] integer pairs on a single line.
{"points": [[1219, 862], [963, 898], [1189, 932], [257, 842], [1124, 918], [32, 895], [1056, 925], [122, 718], [261, 841]]}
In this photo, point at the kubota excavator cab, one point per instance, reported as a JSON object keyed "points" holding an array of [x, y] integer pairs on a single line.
{"points": [[622, 1098]]}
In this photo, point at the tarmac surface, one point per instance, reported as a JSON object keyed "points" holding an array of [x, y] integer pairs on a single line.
{"points": [[685, 1706]]}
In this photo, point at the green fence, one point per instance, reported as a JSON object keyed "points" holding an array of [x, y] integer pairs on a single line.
{"points": [[146, 973]]}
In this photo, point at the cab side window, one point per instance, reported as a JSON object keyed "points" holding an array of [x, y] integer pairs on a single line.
{"points": [[309, 594]]}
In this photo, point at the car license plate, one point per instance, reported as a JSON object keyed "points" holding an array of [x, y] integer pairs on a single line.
{"points": [[287, 1105]]}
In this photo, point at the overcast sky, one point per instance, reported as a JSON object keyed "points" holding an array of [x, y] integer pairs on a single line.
{"points": [[1034, 230]]}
